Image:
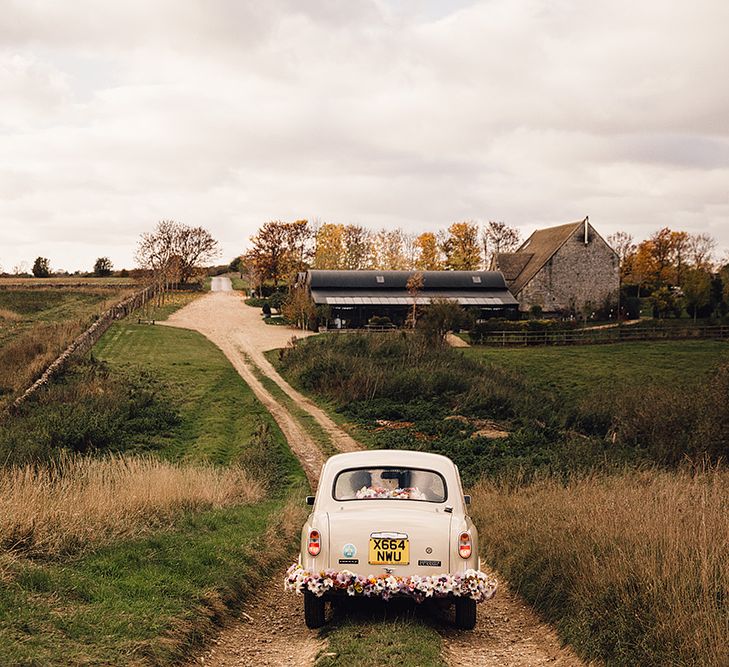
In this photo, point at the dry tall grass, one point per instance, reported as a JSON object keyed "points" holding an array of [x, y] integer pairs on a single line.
{"points": [[9, 315], [62, 507], [633, 568]]}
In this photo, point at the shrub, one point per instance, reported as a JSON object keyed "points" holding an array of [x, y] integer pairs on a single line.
{"points": [[88, 409]]}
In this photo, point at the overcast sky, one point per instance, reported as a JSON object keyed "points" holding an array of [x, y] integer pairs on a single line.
{"points": [[114, 115]]}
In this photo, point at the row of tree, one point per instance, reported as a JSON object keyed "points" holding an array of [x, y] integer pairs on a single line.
{"points": [[42, 269], [279, 250], [674, 269]]}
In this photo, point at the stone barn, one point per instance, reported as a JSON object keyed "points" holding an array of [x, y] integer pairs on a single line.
{"points": [[354, 297], [564, 269]]}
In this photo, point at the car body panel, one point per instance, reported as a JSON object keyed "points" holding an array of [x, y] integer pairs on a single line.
{"points": [[432, 528]]}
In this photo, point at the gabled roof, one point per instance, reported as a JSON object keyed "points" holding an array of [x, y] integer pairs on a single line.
{"points": [[511, 264], [539, 248]]}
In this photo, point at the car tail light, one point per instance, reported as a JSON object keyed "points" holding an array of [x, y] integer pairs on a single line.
{"points": [[314, 542], [464, 545]]}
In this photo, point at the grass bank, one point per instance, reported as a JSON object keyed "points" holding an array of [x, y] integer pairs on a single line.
{"points": [[633, 569], [492, 417], [146, 596], [76, 502]]}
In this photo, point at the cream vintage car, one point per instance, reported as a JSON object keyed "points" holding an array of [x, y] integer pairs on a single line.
{"points": [[390, 523]]}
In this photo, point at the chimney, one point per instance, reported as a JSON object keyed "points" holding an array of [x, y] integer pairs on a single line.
{"points": [[587, 224]]}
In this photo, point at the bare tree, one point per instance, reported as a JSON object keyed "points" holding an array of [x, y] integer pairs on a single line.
{"points": [[173, 252], [498, 237], [414, 285], [701, 250], [194, 247], [622, 243]]}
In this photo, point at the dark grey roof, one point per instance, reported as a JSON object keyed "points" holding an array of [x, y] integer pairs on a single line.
{"points": [[469, 288], [432, 280]]}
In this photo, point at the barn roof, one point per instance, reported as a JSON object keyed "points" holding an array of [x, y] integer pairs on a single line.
{"points": [[469, 288], [521, 266], [467, 280]]}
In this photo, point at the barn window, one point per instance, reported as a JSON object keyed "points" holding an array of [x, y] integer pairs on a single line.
{"points": [[380, 279], [476, 279]]}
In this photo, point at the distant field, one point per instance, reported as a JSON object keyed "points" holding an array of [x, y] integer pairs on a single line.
{"points": [[67, 281], [37, 324], [574, 371], [21, 309]]}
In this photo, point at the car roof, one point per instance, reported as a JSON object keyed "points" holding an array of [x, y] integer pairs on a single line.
{"points": [[389, 457]]}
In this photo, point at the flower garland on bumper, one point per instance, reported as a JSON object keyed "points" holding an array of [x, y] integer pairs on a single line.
{"points": [[472, 584]]}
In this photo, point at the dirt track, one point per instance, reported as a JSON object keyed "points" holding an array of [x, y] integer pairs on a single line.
{"points": [[272, 632]]}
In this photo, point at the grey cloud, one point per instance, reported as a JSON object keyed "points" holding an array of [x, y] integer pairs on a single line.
{"points": [[384, 113]]}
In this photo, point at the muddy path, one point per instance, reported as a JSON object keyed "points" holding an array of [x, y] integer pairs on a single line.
{"points": [[271, 630]]}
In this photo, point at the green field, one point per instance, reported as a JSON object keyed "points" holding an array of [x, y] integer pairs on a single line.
{"points": [[574, 371], [149, 600], [22, 309]]}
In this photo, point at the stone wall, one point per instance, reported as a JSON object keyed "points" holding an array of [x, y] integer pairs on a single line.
{"points": [[576, 275], [85, 341]]}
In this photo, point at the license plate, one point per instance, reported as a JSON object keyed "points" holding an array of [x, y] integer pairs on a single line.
{"points": [[389, 550]]}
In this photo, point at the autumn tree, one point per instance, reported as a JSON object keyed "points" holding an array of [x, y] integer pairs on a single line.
{"points": [[414, 286], [388, 250], [701, 249], [329, 247], [357, 253], [662, 251], [299, 309], [696, 290], [461, 247], [642, 268], [428, 255], [499, 237], [622, 243], [680, 244], [280, 250], [41, 267]]}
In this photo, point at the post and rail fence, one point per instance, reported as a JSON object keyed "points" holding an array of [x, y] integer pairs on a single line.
{"points": [[616, 334]]}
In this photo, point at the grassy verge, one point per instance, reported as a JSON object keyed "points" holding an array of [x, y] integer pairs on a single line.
{"points": [[392, 642], [173, 302], [631, 568], [149, 599], [219, 414], [309, 423], [238, 283], [357, 431], [144, 601]]}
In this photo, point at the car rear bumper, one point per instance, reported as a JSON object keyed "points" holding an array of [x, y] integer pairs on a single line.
{"points": [[473, 584]]}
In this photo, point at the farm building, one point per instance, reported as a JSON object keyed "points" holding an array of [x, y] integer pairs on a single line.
{"points": [[569, 268], [353, 297]]}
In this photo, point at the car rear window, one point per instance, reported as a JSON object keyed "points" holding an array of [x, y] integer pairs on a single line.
{"points": [[385, 483]]}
